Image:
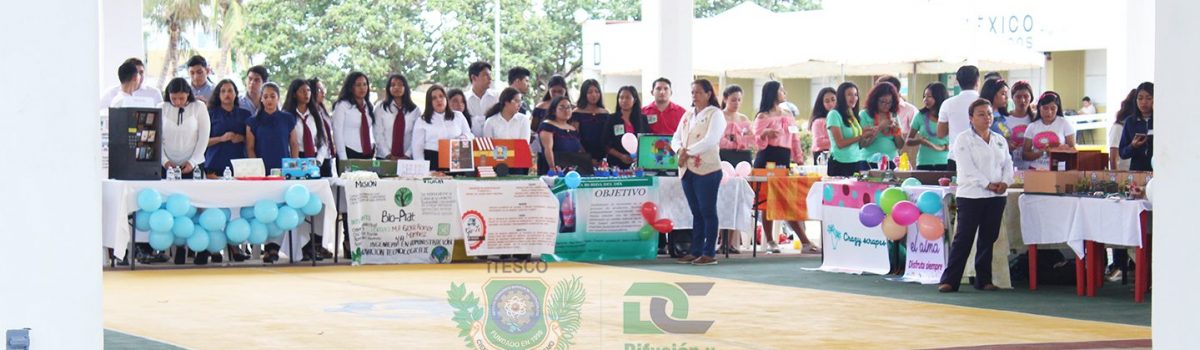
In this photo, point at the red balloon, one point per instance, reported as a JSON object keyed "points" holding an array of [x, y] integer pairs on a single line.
{"points": [[664, 226], [649, 212]]}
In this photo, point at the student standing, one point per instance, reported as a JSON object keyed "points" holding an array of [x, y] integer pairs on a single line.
{"points": [[396, 119], [269, 134], [777, 142], [130, 73], [185, 128], [481, 97], [198, 72], [953, 114], [984, 172], [505, 121], [738, 140], [1115, 131], [880, 115], [227, 133], [518, 78], [310, 130], [846, 134], [923, 132], [255, 78], [1048, 132], [589, 117], [556, 87], [628, 119], [696, 141], [353, 115], [663, 115], [557, 134], [438, 122], [1018, 120], [826, 101]]}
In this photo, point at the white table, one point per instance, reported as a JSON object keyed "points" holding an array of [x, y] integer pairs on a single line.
{"points": [[734, 202], [120, 200], [1049, 219]]}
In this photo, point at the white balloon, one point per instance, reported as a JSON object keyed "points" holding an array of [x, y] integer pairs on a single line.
{"points": [[630, 142], [1150, 191], [743, 169], [727, 172]]}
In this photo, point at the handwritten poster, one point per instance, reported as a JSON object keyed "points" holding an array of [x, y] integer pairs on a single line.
{"points": [[401, 221]]}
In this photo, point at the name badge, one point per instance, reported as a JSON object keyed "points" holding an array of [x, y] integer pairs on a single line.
{"points": [[653, 118], [794, 129], [619, 129]]}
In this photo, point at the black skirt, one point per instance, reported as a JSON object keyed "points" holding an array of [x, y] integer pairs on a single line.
{"points": [[778, 155], [735, 157]]}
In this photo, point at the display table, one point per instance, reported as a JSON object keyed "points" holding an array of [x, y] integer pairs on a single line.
{"points": [[120, 200], [734, 200]]}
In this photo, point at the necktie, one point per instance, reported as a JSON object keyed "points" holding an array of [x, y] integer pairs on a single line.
{"points": [[309, 150], [364, 134], [398, 134]]}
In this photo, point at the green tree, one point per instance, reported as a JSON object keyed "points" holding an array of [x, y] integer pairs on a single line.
{"points": [[175, 16], [709, 8]]}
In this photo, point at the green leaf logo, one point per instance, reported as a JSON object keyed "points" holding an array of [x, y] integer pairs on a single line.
{"points": [[404, 197]]}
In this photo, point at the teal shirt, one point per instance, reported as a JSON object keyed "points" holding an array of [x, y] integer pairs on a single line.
{"points": [[850, 154], [883, 144], [928, 130]]}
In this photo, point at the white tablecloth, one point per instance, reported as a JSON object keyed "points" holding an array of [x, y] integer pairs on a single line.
{"points": [[734, 202], [1058, 219], [120, 200]]}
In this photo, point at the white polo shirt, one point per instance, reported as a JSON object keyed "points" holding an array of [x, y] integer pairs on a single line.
{"points": [[478, 105], [955, 112]]}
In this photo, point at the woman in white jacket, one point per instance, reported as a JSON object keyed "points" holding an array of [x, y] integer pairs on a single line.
{"points": [[696, 141], [185, 127]]}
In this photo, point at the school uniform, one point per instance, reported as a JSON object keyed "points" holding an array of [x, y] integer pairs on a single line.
{"points": [[427, 134], [980, 210], [185, 133], [393, 130], [352, 131], [272, 137], [219, 155]]}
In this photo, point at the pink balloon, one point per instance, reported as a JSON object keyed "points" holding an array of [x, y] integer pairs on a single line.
{"points": [[931, 227], [743, 169], [727, 172], [906, 213], [892, 230], [630, 142]]}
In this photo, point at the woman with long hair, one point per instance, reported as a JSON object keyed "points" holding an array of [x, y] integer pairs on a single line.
{"points": [[395, 121], [590, 116], [310, 127], [738, 140], [826, 101], [696, 141], [1128, 105], [996, 91], [227, 131], [438, 122], [882, 105], [557, 134], [923, 131], [627, 119], [778, 143], [556, 87], [1019, 118], [185, 128], [456, 100], [846, 134], [1048, 132], [353, 116]]}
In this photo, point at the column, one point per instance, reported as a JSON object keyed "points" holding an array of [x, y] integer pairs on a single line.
{"points": [[669, 50]]}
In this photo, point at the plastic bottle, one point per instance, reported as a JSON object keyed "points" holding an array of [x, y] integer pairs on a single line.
{"points": [[228, 175], [197, 174]]}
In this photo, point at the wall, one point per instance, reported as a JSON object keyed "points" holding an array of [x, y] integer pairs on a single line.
{"points": [[51, 236], [1065, 74], [1174, 309], [120, 38]]}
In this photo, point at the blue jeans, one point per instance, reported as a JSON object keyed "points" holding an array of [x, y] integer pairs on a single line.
{"points": [[701, 193]]}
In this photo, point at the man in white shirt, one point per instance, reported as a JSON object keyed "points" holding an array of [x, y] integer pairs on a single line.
{"points": [[480, 98], [255, 78], [130, 93], [518, 78], [198, 71], [1087, 107], [954, 117]]}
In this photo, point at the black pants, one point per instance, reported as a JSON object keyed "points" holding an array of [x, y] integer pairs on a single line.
{"points": [[941, 167], [778, 155], [839, 169], [351, 154], [974, 214]]}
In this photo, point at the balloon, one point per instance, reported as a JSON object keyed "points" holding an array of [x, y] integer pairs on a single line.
{"points": [[905, 213], [273, 230], [191, 213], [910, 182], [228, 213], [238, 230], [743, 169], [183, 227], [265, 211], [254, 226], [288, 218], [149, 199], [572, 180], [216, 242], [871, 215], [161, 240], [664, 225], [1149, 188], [247, 212], [161, 221], [198, 242], [889, 198], [892, 230], [177, 204], [931, 227], [179, 241], [296, 196], [258, 236], [875, 158], [647, 232], [727, 172], [213, 219], [630, 142], [141, 220], [313, 207], [649, 211], [929, 203]]}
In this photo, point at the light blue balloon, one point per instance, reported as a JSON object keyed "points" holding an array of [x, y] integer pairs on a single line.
{"points": [[177, 204], [191, 213], [228, 213], [296, 196], [198, 242], [179, 241], [238, 231], [265, 211], [910, 182], [216, 242], [274, 231], [288, 218], [161, 221], [183, 227], [929, 203], [247, 212], [258, 228], [572, 180], [258, 236], [141, 220], [161, 240], [148, 199], [213, 219], [313, 207]]}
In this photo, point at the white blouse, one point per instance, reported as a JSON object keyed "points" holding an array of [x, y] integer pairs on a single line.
{"points": [[427, 135], [981, 163], [385, 119], [515, 129], [347, 121], [323, 151], [184, 136]]}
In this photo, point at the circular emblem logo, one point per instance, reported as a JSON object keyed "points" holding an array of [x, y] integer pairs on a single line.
{"points": [[475, 228], [439, 254], [404, 197], [515, 309]]}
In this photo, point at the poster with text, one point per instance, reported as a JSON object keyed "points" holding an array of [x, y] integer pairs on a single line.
{"points": [[601, 219], [851, 247], [401, 221], [507, 217]]}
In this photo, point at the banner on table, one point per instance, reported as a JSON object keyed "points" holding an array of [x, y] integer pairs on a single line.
{"points": [[851, 247], [507, 217], [925, 259], [401, 221], [600, 219]]}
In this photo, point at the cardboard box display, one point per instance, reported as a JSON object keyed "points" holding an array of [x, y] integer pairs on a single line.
{"points": [[1039, 181]]}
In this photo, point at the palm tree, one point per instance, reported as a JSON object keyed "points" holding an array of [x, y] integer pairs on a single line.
{"points": [[175, 16], [228, 21]]}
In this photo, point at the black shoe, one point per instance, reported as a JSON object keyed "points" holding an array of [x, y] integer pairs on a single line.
{"points": [[180, 256], [324, 253], [271, 257], [202, 258], [309, 257], [216, 258]]}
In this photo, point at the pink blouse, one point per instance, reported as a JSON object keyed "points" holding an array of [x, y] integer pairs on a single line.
{"points": [[738, 136], [785, 138], [820, 137]]}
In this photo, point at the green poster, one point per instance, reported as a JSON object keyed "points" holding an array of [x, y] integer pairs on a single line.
{"points": [[600, 220]]}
